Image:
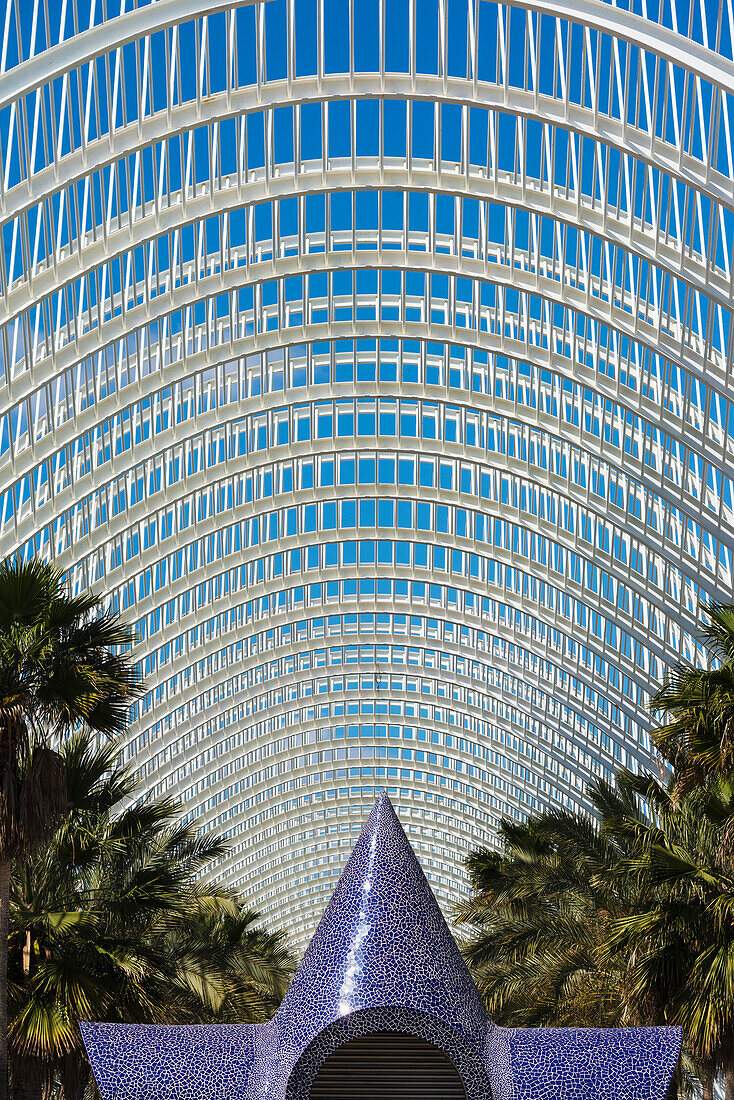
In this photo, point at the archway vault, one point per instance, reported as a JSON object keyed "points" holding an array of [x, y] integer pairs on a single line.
{"points": [[388, 1066], [376, 360], [398, 1022]]}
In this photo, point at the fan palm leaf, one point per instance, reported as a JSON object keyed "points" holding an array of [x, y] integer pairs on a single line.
{"points": [[113, 921], [63, 662]]}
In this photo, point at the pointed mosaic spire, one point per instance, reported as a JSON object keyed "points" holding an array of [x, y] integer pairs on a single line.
{"points": [[384, 941], [382, 959]]}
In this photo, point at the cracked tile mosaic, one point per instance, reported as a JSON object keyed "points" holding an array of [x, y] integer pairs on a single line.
{"points": [[382, 959]]}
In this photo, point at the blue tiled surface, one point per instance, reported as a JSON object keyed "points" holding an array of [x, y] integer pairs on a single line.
{"points": [[634, 1063], [382, 959]]}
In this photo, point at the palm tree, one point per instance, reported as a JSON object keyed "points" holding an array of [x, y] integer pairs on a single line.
{"points": [[541, 914], [61, 663], [232, 970], [693, 854], [112, 922], [697, 734], [617, 918], [686, 919]]}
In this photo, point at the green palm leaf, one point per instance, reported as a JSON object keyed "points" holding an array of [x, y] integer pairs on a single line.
{"points": [[113, 921]]}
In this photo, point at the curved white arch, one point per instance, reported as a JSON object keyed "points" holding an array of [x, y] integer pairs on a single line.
{"points": [[691, 350], [389, 392]]}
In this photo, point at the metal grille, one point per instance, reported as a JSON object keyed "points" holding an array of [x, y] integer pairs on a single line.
{"points": [[388, 1067]]}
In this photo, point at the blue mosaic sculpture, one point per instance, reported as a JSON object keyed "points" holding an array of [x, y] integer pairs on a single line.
{"points": [[382, 959]]}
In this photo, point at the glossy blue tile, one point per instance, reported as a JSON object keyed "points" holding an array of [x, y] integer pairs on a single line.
{"points": [[382, 959]]}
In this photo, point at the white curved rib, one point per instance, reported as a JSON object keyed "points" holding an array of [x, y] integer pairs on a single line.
{"points": [[203, 332]]}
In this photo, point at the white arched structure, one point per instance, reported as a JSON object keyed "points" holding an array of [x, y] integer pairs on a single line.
{"points": [[375, 358]]}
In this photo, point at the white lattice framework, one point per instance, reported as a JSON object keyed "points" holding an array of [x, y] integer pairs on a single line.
{"points": [[375, 358]]}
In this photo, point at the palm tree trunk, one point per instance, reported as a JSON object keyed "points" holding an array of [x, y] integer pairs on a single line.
{"points": [[707, 1085], [4, 925], [74, 1076], [32, 1079], [729, 1083], [25, 1089]]}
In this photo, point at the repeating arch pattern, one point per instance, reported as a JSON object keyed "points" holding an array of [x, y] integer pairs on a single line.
{"points": [[375, 359]]}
